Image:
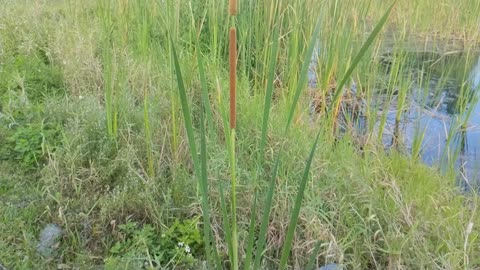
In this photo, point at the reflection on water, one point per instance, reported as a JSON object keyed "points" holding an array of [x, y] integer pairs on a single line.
{"points": [[448, 140]]}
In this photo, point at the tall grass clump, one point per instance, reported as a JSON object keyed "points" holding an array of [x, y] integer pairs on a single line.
{"points": [[230, 223], [109, 72]]}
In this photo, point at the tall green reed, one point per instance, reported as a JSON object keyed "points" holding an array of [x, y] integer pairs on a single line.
{"points": [[143, 27], [200, 165], [109, 80]]}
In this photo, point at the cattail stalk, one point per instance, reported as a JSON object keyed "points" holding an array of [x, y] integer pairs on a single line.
{"points": [[233, 76]]}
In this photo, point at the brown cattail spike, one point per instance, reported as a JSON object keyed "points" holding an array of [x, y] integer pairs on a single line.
{"points": [[233, 77], [232, 7]]}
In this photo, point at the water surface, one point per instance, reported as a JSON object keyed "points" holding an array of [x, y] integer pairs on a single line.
{"points": [[448, 136]]}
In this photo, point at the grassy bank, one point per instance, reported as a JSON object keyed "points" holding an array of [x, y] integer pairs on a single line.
{"points": [[94, 136]]}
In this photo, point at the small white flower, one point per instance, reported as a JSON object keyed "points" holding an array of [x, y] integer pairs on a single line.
{"points": [[80, 97], [187, 249], [180, 244]]}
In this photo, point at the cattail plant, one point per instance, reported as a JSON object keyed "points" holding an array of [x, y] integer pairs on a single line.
{"points": [[232, 8], [255, 250]]}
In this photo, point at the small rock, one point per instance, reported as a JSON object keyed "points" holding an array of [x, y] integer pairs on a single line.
{"points": [[49, 239], [331, 266]]}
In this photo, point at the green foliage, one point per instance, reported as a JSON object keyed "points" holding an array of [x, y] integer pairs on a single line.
{"points": [[29, 136], [34, 75], [28, 144], [179, 245]]}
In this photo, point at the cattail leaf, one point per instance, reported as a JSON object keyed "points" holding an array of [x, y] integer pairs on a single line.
{"points": [[302, 80], [269, 93], [200, 165]]}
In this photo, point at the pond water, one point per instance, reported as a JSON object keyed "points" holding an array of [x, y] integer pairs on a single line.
{"points": [[431, 121], [449, 136]]}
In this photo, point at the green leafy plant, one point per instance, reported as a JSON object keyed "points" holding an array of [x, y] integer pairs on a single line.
{"points": [[29, 143], [177, 246]]}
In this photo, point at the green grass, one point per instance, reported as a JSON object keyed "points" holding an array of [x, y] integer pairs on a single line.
{"points": [[100, 134]]}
